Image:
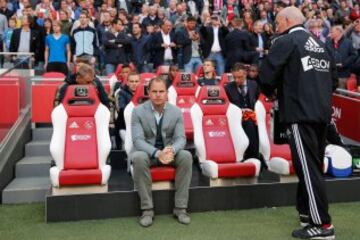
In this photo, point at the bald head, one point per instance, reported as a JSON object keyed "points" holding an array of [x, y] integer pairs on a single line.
{"points": [[287, 18]]}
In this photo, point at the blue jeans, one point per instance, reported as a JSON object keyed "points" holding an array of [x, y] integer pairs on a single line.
{"points": [[192, 65], [219, 62], [109, 68]]}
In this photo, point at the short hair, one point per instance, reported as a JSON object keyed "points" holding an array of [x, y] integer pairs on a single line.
{"points": [[238, 67], [191, 19], [156, 79], [211, 61], [133, 73], [116, 20], [84, 69], [237, 22], [84, 12]]}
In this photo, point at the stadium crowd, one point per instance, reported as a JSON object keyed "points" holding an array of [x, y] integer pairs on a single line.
{"points": [[162, 32]]}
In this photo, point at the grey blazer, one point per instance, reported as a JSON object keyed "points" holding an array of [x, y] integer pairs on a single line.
{"points": [[143, 128]]}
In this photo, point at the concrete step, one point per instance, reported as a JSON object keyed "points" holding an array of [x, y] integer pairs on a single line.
{"points": [[33, 167], [26, 190], [37, 148], [42, 134]]}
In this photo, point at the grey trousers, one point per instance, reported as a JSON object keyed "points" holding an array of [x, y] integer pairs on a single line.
{"points": [[142, 178]]}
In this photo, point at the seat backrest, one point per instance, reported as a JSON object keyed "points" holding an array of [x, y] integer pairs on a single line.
{"points": [[183, 89], [162, 70], [226, 78], [140, 96], [54, 75], [81, 137], [351, 84], [146, 77], [218, 134], [200, 71]]}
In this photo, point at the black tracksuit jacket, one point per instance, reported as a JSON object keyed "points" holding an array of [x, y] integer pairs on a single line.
{"points": [[302, 70]]}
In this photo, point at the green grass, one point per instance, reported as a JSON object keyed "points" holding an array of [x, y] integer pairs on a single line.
{"points": [[27, 222]]}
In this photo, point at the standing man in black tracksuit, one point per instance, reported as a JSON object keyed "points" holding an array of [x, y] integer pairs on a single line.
{"points": [[303, 73]]}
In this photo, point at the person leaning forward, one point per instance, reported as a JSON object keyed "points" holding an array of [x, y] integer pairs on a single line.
{"points": [[159, 138]]}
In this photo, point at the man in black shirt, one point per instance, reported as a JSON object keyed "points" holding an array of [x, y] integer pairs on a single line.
{"points": [[302, 70]]}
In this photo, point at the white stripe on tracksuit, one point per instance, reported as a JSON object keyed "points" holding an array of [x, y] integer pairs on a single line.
{"points": [[300, 151]]}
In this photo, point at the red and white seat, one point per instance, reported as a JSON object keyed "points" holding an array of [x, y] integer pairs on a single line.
{"points": [[182, 93], [162, 70], [226, 78], [146, 77], [80, 143], [219, 138], [158, 173]]}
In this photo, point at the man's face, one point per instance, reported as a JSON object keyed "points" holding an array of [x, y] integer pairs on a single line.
{"points": [[173, 71], [133, 81], [83, 19], [215, 22], [118, 26], [106, 17], [281, 24], [166, 27], [253, 72], [124, 72], [158, 94], [239, 76], [86, 79], [56, 28], [3, 3], [334, 33], [136, 29], [208, 67], [191, 25]]}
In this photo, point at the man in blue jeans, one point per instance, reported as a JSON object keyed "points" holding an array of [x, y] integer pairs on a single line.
{"points": [[188, 39]]}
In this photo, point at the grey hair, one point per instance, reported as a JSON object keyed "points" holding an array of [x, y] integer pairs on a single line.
{"points": [[294, 14]]}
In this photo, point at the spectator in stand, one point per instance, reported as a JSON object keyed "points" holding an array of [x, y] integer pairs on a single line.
{"points": [[214, 47], [5, 10], [342, 13], [268, 33], [44, 31], [126, 5], [258, 41], [82, 6], [343, 52], [66, 23], [230, 11], [57, 51], [144, 12], [163, 45], [25, 39], [3, 28], [355, 12], [140, 45], [319, 26], [188, 40], [152, 18], [171, 10], [123, 97], [253, 73], [85, 74], [8, 33], [115, 44], [353, 33], [64, 6], [151, 149], [44, 10], [238, 45], [209, 77], [173, 71], [101, 29], [244, 93], [83, 39]]}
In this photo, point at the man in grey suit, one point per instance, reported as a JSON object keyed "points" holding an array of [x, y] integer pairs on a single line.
{"points": [[159, 138]]}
